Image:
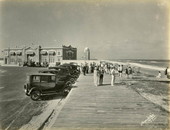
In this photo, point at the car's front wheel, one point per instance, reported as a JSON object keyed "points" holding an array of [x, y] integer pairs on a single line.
{"points": [[35, 95]]}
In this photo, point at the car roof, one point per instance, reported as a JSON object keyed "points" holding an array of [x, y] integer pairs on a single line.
{"points": [[48, 70], [41, 74], [57, 67], [65, 64]]}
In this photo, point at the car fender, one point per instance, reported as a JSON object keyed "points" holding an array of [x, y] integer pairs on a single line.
{"points": [[26, 89], [32, 89]]}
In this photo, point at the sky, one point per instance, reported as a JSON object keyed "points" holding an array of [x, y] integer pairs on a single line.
{"points": [[110, 29]]}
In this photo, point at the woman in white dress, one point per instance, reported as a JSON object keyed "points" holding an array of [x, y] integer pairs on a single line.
{"points": [[96, 78], [113, 75]]}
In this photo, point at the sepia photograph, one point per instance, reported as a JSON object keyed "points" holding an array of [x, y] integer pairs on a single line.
{"points": [[84, 64]]}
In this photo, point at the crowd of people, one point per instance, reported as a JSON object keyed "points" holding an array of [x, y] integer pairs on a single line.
{"points": [[99, 70], [114, 70]]}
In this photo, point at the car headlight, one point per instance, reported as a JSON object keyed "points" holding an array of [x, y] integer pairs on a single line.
{"points": [[25, 90]]}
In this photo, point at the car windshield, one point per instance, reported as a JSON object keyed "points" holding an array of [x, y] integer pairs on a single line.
{"points": [[36, 78], [48, 79], [44, 78]]}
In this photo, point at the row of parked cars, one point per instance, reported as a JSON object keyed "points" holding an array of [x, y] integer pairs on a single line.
{"points": [[52, 80]]}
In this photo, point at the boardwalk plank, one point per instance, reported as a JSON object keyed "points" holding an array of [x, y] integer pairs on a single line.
{"points": [[107, 107]]}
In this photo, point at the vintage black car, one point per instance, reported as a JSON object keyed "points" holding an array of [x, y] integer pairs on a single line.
{"points": [[61, 76], [73, 69], [64, 71], [41, 84]]}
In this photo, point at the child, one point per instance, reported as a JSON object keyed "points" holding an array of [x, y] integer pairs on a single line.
{"points": [[159, 75]]}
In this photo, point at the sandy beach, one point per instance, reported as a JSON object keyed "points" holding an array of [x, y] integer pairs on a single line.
{"points": [[145, 83]]}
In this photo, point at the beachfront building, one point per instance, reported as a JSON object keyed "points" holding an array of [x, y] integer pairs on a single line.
{"points": [[13, 56], [86, 53]]}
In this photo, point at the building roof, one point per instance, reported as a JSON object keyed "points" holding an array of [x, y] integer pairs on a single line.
{"points": [[8, 49], [51, 48], [42, 48]]}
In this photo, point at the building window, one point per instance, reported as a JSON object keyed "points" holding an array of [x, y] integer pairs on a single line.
{"points": [[52, 52], [59, 53], [12, 53], [71, 54], [44, 58], [18, 53], [12, 59], [51, 59], [6, 53], [19, 60]]}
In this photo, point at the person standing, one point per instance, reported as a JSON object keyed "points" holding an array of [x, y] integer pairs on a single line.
{"points": [[127, 72], [101, 75], [90, 68], [87, 68], [167, 72], [96, 79], [130, 72], [84, 70], [120, 69], [113, 75]]}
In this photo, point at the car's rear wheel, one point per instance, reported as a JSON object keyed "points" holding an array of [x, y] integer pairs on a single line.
{"points": [[66, 91], [68, 84], [35, 95], [72, 80]]}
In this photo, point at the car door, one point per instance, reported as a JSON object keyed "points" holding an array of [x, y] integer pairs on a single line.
{"points": [[47, 84], [51, 82], [35, 81]]}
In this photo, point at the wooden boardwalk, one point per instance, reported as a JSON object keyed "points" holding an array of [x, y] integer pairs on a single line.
{"points": [[105, 106]]}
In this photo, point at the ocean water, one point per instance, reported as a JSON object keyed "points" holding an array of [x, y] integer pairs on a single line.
{"points": [[157, 63], [151, 67]]}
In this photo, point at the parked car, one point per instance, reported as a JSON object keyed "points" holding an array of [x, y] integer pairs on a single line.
{"points": [[73, 69], [54, 64], [41, 84], [60, 76], [64, 72]]}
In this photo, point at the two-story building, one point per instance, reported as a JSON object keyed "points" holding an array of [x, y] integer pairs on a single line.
{"points": [[39, 54]]}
